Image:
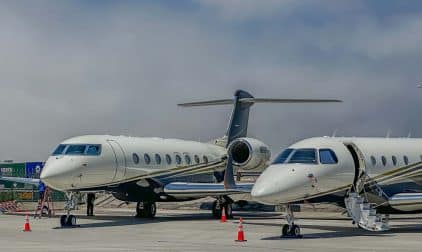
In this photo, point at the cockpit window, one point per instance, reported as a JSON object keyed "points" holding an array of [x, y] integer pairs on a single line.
{"points": [[59, 150], [282, 157], [303, 156], [78, 149], [93, 150], [327, 156], [75, 150]]}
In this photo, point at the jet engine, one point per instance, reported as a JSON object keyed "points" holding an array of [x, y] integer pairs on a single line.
{"points": [[249, 154]]}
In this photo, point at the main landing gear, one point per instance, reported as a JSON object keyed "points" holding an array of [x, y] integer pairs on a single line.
{"points": [[290, 230], [69, 220], [146, 209], [219, 204]]}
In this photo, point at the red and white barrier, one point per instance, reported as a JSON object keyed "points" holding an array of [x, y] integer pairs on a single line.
{"points": [[10, 206]]}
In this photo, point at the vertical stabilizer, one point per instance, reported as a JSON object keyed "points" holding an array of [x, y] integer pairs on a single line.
{"points": [[238, 126]]}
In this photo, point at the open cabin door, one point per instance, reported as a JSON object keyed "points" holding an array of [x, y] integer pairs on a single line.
{"points": [[120, 160], [358, 160]]}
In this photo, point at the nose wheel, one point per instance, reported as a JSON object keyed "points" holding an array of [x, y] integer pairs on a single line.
{"points": [[290, 230], [68, 221]]}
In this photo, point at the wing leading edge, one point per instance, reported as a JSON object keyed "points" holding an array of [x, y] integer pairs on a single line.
{"points": [[30, 181], [179, 189]]}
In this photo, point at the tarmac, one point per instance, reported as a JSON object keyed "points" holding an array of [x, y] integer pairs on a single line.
{"points": [[194, 230]]}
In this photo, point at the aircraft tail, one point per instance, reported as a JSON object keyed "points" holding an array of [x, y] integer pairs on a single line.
{"points": [[242, 101]]}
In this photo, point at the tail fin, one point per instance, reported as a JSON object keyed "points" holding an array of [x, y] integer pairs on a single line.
{"points": [[242, 101], [238, 126]]}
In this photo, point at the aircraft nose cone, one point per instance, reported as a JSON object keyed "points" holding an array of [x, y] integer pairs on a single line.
{"points": [[266, 188], [50, 176], [278, 184], [264, 192], [56, 174]]}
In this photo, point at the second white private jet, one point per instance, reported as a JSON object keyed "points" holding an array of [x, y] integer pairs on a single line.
{"points": [[370, 177]]}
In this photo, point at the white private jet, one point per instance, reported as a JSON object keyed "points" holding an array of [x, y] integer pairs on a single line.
{"points": [[370, 177], [150, 170]]}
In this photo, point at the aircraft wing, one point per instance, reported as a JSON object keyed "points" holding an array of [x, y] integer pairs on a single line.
{"points": [[30, 181], [180, 189]]}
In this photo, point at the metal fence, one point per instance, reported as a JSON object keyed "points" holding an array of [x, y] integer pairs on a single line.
{"points": [[19, 191]]}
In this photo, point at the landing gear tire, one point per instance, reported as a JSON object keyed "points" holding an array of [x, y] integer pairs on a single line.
{"points": [[217, 209], [285, 230], [295, 231], [146, 209], [63, 220], [71, 221], [68, 221]]}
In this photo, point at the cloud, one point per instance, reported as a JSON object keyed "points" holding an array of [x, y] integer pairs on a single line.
{"points": [[74, 68], [249, 9]]}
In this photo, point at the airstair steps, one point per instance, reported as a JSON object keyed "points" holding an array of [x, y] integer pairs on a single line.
{"points": [[364, 214]]}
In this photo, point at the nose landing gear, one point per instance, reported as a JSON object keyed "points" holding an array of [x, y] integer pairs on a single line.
{"points": [[290, 230], [69, 220]]}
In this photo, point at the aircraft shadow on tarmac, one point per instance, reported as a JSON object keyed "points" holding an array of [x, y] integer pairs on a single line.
{"points": [[350, 231], [116, 220]]}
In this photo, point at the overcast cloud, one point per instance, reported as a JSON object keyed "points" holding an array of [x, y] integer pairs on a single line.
{"points": [[120, 68]]}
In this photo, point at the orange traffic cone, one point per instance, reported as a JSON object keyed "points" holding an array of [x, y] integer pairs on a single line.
{"points": [[240, 234], [223, 215], [26, 227]]}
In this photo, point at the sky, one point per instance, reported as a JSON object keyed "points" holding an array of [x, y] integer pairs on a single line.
{"points": [[70, 68]]}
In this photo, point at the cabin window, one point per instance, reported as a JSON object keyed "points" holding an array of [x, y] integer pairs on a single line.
{"points": [[406, 160], [168, 159], [384, 161], [373, 161], [327, 156], [147, 158], [282, 157], [187, 159], [158, 158], [205, 159], [178, 159], [394, 159], [135, 158], [196, 159], [303, 156]]}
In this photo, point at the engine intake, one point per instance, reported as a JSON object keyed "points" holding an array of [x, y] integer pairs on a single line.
{"points": [[249, 153]]}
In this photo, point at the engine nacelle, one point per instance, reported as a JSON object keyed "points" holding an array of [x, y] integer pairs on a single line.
{"points": [[249, 154]]}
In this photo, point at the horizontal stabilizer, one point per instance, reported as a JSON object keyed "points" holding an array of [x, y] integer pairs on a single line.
{"points": [[254, 100]]}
